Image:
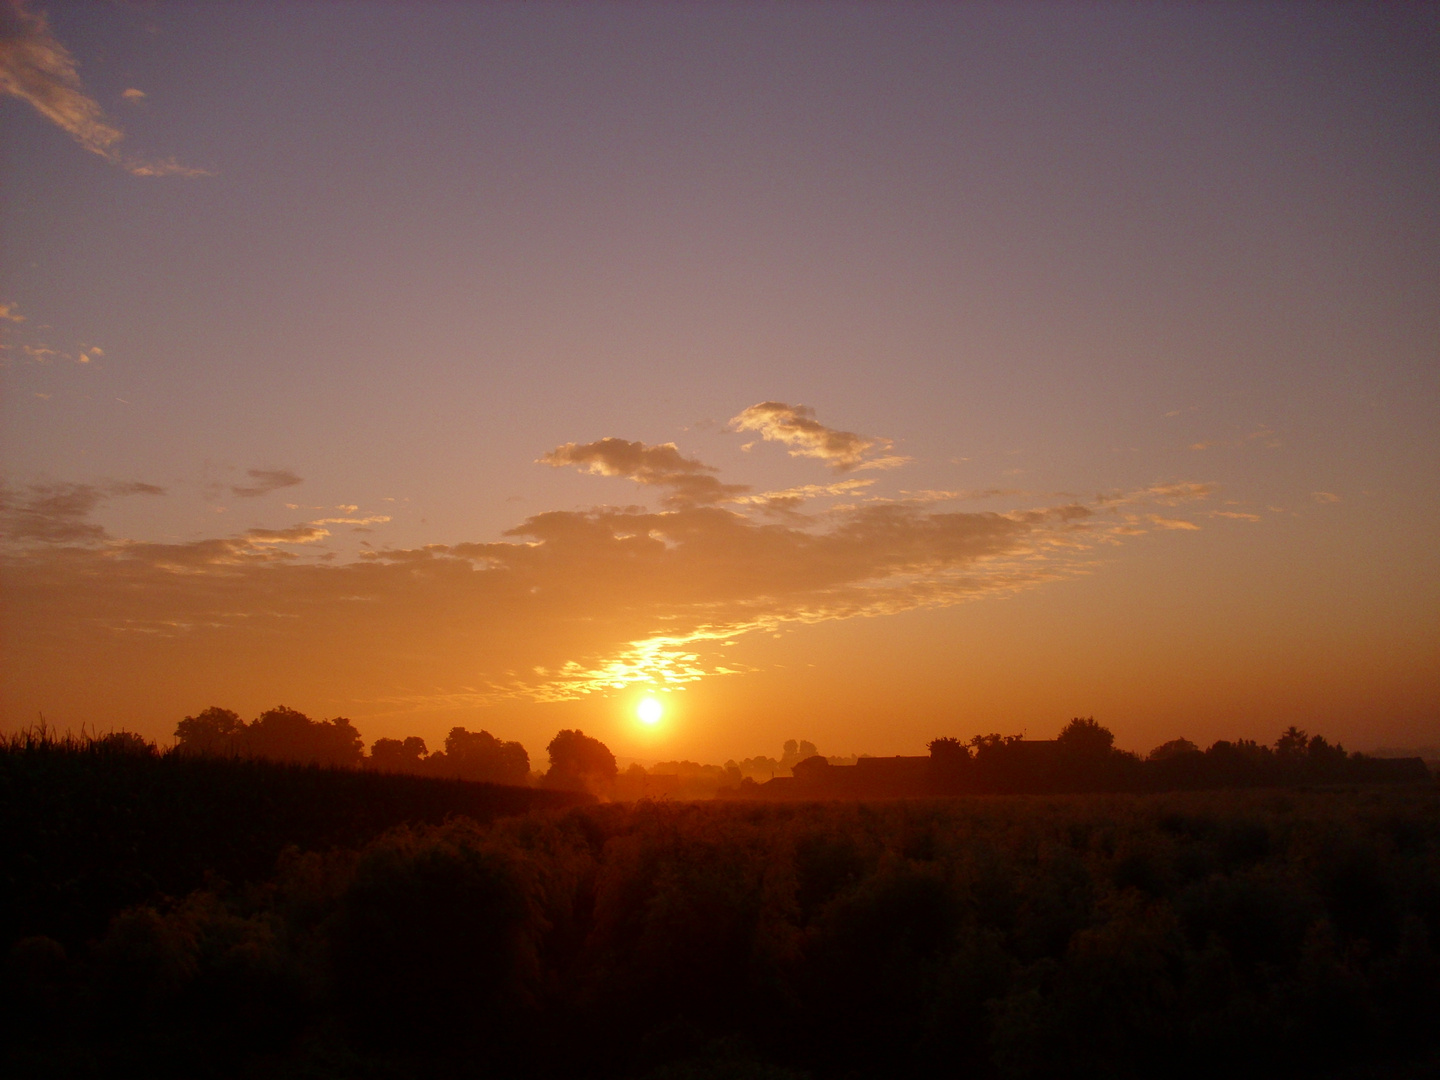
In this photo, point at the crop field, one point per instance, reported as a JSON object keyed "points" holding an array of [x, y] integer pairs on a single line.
{"points": [[93, 826], [1255, 932]]}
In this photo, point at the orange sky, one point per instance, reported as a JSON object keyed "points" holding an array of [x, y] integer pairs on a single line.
{"points": [[857, 375]]}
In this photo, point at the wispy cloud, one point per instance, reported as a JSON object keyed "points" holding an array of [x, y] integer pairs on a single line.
{"points": [[1326, 497], [59, 513], [37, 68], [1263, 435], [297, 534], [372, 519], [9, 314], [689, 482], [961, 496], [1172, 494], [1170, 523], [565, 604], [264, 481], [790, 498], [795, 426], [889, 461]]}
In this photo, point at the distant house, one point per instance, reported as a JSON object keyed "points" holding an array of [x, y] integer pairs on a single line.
{"points": [[1017, 766], [1036, 749], [1390, 770], [868, 778], [893, 777], [814, 770]]}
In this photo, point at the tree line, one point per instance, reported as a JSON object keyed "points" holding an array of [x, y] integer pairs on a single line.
{"points": [[577, 761], [1082, 758]]}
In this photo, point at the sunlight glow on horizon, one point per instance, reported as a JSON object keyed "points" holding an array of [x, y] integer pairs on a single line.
{"points": [[743, 390]]}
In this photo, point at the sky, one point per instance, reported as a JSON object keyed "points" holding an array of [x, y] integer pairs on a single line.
{"points": [[854, 372]]}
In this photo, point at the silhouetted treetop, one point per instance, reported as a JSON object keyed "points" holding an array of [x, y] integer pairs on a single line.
{"points": [[1173, 749], [395, 755], [797, 752], [579, 763], [215, 731], [947, 750], [1083, 736], [285, 734], [1292, 743], [478, 755], [280, 734]]}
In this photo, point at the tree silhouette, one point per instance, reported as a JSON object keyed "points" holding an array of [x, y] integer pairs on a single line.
{"points": [[1324, 757], [949, 764], [1083, 737], [478, 755], [947, 749], [580, 763], [393, 755], [1172, 749], [797, 752], [285, 734], [1292, 744], [216, 732]]}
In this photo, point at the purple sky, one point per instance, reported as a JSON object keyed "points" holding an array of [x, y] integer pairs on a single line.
{"points": [[304, 267]]}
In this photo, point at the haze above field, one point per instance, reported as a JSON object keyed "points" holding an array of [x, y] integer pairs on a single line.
{"points": [[862, 374]]}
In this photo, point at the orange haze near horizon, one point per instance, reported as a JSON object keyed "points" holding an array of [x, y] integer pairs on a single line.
{"points": [[856, 375]]}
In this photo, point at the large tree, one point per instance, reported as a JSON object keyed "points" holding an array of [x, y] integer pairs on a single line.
{"points": [[478, 755], [580, 763], [285, 734], [215, 731], [1082, 737], [393, 755]]}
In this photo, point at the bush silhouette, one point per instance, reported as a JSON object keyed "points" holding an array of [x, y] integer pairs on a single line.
{"points": [[430, 935]]}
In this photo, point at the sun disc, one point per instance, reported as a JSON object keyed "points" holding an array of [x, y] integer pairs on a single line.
{"points": [[649, 710]]}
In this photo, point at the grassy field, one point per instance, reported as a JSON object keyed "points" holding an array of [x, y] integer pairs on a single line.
{"points": [[1242, 933]]}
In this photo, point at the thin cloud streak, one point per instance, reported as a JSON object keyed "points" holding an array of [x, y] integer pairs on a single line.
{"points": [[690, 482], [795, 426], [793, 497], [36, 68], [265, 481], [59, 513], [296, 534]]}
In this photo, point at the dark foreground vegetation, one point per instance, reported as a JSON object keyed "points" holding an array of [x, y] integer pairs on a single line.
{"points": [[1082, 759], [90, 826], [1238, 933]]}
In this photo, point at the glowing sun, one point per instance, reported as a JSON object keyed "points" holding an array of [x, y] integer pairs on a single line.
{"points": [[649, 710]]}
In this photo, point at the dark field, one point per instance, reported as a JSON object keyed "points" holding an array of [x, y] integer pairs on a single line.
{"points": [[1240, 933], [94, 826]]}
